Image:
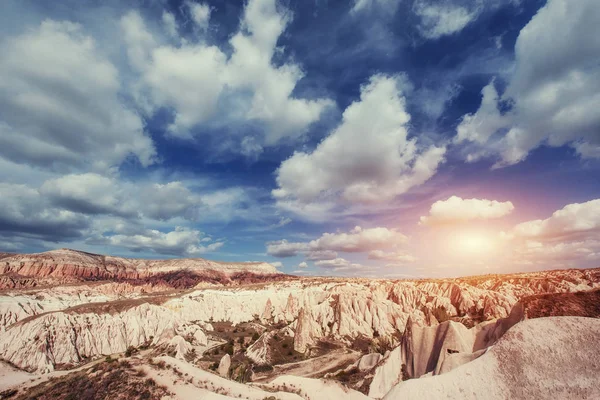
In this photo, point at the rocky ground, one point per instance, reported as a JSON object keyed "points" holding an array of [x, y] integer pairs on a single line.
{"points": [[202, 329]]}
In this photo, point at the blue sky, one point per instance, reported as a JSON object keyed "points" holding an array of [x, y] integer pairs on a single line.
{"points": [[388, 138]]}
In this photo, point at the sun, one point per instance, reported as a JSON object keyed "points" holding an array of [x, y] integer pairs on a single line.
{"points": [[473, 244]]}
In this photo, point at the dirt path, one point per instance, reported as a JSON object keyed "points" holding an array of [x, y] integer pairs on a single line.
{"points": [[314, 367]]}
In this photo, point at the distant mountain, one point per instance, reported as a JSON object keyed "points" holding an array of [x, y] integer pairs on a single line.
{"points": [[67, 263]]}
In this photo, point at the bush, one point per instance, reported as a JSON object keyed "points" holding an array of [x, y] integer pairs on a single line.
{"points": [[130, 351], [405, 375], [255, 336]]}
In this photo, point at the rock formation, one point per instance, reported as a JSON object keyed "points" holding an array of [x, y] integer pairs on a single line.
{"points": [[545, 358], [224, 366]]}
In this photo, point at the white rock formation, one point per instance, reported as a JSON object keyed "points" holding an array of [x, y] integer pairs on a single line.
{"points": [[180, 346], [545, 358], [368, 361], [38, 335], [260, 351], [224, 366], [433, 350]]}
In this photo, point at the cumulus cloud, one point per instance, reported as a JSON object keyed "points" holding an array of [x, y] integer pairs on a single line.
{"points": [[368, 158], [456, 209], [92, 193], [359, 240], [196, 80], [179, 242], [25, 213], [283, 248], [277, 264], [62, 108], [572, 221], [326, 247], [553, 95], [303, 265], [88, 193], [570, 237]]}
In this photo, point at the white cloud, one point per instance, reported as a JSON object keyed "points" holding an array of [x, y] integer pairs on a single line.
{"points": [[86, 193], [170, 24], [60, 103], [444, 18], [456, 209], [569, 238], [315, 255], [480, 127], [364, 5], [339, 264], [303, 265], [574, 220], [200, 13], [92, 193], [277, 264], [368, 158], [395, 257], [25, 213], [197, 80], [179, 242], [283, 248], [326, 247], [554, 90], [359, 240]]}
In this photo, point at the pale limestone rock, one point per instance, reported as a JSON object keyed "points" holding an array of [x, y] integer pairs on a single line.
{"points": [[260, 352], [200, 338], [424, 350], [180, 346], [517, 366], [368, 361], [224, 366]]}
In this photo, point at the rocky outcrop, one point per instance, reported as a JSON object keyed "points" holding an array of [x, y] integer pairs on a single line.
{"points": [[368, 361], [426, 348], [260, 351], [433, 350], [180, 347], [518, 366], [224, 366]]}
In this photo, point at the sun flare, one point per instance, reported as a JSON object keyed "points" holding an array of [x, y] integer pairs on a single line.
{"points": [[473, 244]]}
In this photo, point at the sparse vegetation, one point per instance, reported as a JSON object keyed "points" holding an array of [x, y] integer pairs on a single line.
{"points": [[405, 374], [107, 380], [130, 351]]}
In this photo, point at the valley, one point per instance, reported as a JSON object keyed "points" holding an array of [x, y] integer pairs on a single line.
{"points": [[75, 318]]}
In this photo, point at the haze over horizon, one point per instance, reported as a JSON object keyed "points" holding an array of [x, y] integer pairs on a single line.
{"points": [[398, 139]]}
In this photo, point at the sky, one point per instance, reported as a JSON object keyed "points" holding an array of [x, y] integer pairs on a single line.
{"points": [[377, 138]]}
